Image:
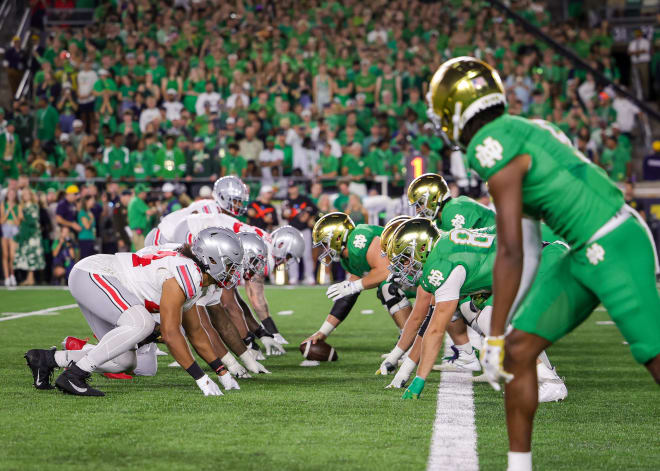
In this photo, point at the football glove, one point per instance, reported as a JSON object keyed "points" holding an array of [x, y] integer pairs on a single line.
{"points": [[279, 339], [208, 387], [234, 367], [388, 365], [228, 382], [403, 375], [272, 347], [251, 364], [415, 389], [345, 288], [492, 359]]}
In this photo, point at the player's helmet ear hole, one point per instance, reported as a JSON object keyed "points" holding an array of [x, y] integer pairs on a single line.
{"points": [[212, 260]]}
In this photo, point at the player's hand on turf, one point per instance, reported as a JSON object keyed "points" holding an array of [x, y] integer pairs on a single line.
{"points": [[272, 347], [344, 288], [208, 387], [492, 359], [228, 382], [400, 379], [253, 365], [415, 389], [315, 338], [386, 368]]}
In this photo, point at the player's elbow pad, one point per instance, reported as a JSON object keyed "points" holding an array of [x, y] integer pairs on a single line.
{"points": [[343, 306]]}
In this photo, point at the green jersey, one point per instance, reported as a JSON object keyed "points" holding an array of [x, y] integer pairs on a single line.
{"points": [[463, 212], [358, 243], [473, 250], [562, 187]]}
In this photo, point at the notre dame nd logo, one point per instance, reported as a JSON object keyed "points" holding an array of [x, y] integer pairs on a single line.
{"points": [[360, 241], [489, 152], [436, 277], [458, 222]]}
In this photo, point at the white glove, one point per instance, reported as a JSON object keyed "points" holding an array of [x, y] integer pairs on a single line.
{"points": [[272, 347], [279, 339], [403, 375], [234, 367], [251, 364], [208, 387], [256, 353], [228, 382], [345, 288], [492, 359], [389, 363]]}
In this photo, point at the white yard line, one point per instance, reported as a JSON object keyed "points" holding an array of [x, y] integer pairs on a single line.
{"points": [[454, 439], [51, 311]]}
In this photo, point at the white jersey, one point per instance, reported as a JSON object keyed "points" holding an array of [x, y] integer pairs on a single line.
{"points": [[168, 223], [143, 273]]}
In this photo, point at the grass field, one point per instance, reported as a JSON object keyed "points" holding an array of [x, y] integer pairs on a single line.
{"points": [[336, 416]]}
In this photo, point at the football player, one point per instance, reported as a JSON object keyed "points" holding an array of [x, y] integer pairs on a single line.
{"points": [[452, 265], [534, 173], [117, 294], [358, 250]]}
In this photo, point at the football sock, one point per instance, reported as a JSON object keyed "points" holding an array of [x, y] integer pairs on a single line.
{"points": [[545, 360], [269, 324], [520, 461], [465, 348]]}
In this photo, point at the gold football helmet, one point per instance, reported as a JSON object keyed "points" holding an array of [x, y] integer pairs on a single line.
{"points": [[388, 230], [459, 89], [331, 232], [426, 193], [409, 247]]}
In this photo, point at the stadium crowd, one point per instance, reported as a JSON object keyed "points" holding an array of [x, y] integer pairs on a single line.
{"points": [[143, 110]]}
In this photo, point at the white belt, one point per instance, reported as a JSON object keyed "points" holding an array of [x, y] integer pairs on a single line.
{"points": [[614, 222]]}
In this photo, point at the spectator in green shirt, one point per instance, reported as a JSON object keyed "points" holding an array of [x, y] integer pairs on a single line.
{"points": [[341, 201], [105, 91], [116, 158], [327, 166], [169, 161], [87, 222], [615, 158], [47, 120], [201, 163], [142, 161], [234, 164], [365, 83], [138, 216], [352, 166]]}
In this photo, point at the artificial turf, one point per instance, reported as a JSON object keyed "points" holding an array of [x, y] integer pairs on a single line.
{"points": [[335, 416]]}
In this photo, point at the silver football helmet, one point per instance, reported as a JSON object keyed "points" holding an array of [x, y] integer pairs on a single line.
{"points": [[231, 194], [221, 254], [288, 244], [255, 254]]}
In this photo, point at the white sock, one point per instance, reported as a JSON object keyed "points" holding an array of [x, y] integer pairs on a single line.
{"points": [[466, 347], [544, 358], [64, 357], [85, 364], [520, 461]]}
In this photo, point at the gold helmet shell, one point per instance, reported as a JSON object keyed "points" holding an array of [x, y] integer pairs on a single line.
{"points": [[388, 230], [426, 193], [409, 247], [331, 232], [459, 89]]}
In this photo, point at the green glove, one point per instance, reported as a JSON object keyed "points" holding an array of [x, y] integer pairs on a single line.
{"points": [[415, 388]]}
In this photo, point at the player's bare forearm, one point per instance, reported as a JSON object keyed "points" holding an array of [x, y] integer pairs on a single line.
{"points": [[171, 303], [434, 336], [226, 329], [420, 309], [250, 320], [506, 189], [255, 292], [375, 277], [198, 336], [216, 342], [378, 264], [230, 304]]}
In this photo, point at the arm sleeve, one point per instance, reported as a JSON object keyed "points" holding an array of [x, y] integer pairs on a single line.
{"points": [[451, 288]]}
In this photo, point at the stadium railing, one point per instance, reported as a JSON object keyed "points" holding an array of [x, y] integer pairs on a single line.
{"points": [[69, 16]]}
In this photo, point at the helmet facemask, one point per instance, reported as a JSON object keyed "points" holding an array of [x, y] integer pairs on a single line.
{"points": [[328, 255], [230, 274], [405, 268], [421, 207], [253, 264]]}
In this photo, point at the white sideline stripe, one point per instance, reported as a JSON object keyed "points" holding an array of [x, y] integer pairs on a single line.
{"points": [[51, 311], [454, 438]]}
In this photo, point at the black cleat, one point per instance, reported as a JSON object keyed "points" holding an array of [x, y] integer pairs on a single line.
{"points": [[74, 381], [42, 363]]}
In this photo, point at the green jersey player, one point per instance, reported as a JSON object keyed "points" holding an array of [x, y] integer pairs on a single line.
{"points": [[533, 174], [357, 248]]}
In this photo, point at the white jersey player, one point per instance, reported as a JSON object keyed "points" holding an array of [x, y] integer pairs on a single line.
{"points": [[118, 293]]}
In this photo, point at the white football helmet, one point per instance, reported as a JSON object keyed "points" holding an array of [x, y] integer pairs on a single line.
{"points": [[221, 254], [231, 194], [288, 244], [255, 254]]}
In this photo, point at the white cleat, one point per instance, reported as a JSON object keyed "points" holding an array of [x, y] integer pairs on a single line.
{"points": [[461, 361], [160, 353], [279, 339], [551, 386]]}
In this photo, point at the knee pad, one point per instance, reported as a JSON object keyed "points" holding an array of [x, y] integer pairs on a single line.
{"points": [[425, 322], [392, 297], [343, 306], [472, 314], [482, 324], [139, 319], [147, 362]]}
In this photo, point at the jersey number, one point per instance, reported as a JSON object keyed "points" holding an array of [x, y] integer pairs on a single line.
{"points": [[147, 259], [464, 237]]}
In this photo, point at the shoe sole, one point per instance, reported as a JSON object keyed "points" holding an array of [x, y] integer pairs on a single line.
{"points": [[66, 391]]}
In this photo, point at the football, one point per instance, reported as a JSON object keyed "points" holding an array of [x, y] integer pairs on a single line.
{"points": [[319, 351]]}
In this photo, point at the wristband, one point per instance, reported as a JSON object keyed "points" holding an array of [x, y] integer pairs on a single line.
{"points": [[261, 332], [249, 338], [327, 328], [216, 365], [357, 285], [195, 371]]}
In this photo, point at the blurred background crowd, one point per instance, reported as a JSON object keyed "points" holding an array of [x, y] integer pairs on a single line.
{"points": [[137, 112]]}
